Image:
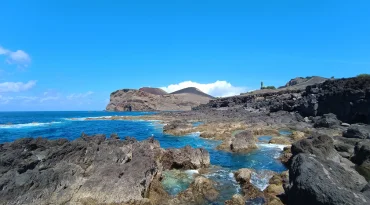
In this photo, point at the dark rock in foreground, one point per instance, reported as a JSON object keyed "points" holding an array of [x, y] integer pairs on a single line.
{"points": [[321, 146], [88, 170], [314, 180], [39, 171]]}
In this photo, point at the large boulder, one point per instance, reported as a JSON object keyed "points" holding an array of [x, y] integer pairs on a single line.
{"points": [[314, 180], [357, 131], [90, 169], [321, 146], [327, 120], [243, 142], [185, 158]]}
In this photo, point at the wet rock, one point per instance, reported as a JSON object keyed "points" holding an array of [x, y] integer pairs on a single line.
{"points": [[243, 177], [157, 194], [177, 128], [202, 190], [286, 156], [357, 131], [327, 120], [314, 180], [280, 140], [90, 168], [243, 142], [321, 146], [237, 199], [185, 158], [275, 190]]}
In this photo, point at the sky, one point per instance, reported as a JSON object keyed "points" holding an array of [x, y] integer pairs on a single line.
{"points": [[70, 55]]}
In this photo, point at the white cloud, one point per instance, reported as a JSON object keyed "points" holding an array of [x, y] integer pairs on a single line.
{"points": [[79, 95], [217, 89], [49, 98], [16, 86], [5, 100], [19, 57]]}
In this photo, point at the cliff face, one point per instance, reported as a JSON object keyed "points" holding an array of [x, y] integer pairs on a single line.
{"points": [[348, 98], [139, 100]]}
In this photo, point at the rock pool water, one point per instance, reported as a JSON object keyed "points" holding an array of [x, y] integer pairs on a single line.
{"points": [[70, 125]]}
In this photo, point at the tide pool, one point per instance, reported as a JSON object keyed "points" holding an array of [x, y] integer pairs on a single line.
{"points": [[70, 125]]}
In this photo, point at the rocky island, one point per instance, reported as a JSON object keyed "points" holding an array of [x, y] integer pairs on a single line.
{"points": [[155, 99], [326, 150]]}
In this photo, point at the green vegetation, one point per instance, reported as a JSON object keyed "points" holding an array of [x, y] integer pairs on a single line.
{"points": [[261, 85], [364, 75]]}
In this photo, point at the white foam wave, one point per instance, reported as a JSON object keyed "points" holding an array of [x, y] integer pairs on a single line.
{"points": [[84, 118], [191, 172], [25, 125], [272, 146], [261, 179]]}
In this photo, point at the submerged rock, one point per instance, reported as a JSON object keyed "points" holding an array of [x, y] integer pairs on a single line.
{"points": [[185, 158], [314, 180], [201, 191], [243, 177]]}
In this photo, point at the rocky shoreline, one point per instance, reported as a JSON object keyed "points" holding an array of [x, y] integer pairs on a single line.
{"points": [[327, 153]]}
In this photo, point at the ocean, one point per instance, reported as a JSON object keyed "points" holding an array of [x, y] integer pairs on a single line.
{"points": [[70, 125]]}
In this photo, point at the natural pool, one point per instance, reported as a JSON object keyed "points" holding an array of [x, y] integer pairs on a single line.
{"points": [[70, 125]]}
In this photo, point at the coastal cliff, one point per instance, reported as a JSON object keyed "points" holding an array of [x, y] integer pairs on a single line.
{"points": [[348, 98], [153, 99]]}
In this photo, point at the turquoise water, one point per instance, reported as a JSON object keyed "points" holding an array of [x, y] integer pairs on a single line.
{"points": [[70, 125]]}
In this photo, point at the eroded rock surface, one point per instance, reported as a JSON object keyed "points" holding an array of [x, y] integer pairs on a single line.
{"points": [[314, 180], [185, 158], [96, 169]]}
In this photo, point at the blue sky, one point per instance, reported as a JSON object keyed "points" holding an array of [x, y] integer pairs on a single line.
{"points": [[70, 55]]}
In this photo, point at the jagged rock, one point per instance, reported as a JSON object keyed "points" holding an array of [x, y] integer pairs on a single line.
{"points": [[357, 131], [90, 168], [314, 180], [185, 158], [348, 99], [327, 120], [321, 146]]}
